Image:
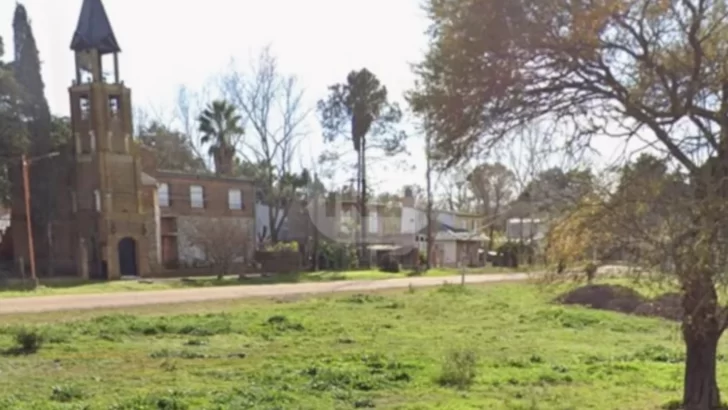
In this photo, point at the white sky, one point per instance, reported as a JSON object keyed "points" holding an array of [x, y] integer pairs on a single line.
{"points": [[166, 44]]}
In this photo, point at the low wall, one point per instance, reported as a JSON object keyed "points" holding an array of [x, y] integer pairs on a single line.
{"points": [[279, 262]]}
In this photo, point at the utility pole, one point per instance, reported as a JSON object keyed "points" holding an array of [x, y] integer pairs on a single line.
{"points": [[25, 164], [428, 177], [28, 224], [316, 224]]}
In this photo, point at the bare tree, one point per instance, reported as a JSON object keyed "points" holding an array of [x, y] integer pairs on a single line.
{"points": [[189, 106], [224, 242], [494, 187], [272, 104]]}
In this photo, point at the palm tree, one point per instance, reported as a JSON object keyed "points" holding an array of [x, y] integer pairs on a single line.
{"points": [[221, 129], [362, 101]]}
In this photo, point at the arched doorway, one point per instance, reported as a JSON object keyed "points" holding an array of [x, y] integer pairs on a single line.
{"points": [[127, 257]]}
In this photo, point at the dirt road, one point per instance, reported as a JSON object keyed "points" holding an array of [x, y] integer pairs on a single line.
{"points": [[113, 300]]}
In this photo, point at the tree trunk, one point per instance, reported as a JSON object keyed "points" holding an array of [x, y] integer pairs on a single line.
{"points": [[364, 210], [51, 267], [702, 329], [700, 391]]}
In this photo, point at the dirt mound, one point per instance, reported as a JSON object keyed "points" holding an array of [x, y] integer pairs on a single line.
{"points": [[605, 297], [667, 306], [625, 300]]}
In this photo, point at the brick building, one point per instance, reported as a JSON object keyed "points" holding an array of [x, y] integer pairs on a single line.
{"points": [[116, 213]]}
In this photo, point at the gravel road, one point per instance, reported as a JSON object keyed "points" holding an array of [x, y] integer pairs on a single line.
{"points": [[34, 304]]}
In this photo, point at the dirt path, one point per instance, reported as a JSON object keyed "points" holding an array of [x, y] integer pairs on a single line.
{"points": [[111, 300]]}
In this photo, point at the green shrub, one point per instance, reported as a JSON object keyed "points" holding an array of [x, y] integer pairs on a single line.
{"points": [[283, 247], [66, 394], [459, 369], [28, 340], [389, 264]]}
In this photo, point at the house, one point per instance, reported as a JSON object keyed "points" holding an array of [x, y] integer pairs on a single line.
{"points": [[393, 227], [117, 214], [525, 230]]}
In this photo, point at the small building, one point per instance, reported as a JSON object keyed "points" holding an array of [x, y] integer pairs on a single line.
{"points": [[453, 246]]}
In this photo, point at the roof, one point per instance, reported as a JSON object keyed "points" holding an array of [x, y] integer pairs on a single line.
{"points": [[148, 179], [445, 232], [179, 174], [93, 31]]}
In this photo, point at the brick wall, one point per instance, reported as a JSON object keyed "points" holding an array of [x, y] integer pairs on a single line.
{"points": [[189, 255], [215, 191]]}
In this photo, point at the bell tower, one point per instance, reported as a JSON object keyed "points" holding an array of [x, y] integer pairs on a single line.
{"points": [[107, 187]]}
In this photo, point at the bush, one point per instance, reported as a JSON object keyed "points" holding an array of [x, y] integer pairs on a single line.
{"points": [[283, 247], [66, 394], [28, 340], [423, 258], [459, 369], [389, 264]]}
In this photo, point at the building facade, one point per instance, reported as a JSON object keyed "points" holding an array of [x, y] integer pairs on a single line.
{"points": [[116, 213]]}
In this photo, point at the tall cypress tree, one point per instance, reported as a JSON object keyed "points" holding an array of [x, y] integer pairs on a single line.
{"points": [[27, 69]]}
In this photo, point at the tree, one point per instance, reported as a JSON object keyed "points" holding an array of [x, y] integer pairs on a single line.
{"points": [[578, 234], [619, 68], [553, 191], [13, 130], [37, 115], [172, 149], [222, 131], [359, 109], [272, 104], [223, 241], [455, 191], [494, 187], [61, 134]]}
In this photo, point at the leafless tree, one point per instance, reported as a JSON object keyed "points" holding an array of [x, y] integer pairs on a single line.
{"points": [[223, 241], [272, 104]]}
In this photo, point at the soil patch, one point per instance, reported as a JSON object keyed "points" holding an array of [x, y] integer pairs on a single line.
{"points": [[625, 300]]}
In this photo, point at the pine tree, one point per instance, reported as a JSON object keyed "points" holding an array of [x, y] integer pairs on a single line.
{"points": [[12, 128], [27, 69]]}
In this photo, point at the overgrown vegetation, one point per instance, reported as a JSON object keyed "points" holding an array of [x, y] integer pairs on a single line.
{"points": [[397, 350]]}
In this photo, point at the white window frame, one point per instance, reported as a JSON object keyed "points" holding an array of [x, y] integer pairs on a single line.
{"points": [[235, 199], [197, 196], [97, 200], [163, 194]]}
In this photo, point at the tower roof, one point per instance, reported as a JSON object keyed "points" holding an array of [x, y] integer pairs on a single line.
{"points": [[94, 30]]}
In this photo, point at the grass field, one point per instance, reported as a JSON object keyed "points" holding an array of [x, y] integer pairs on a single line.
{"points": [[72, 286], [492, 347]]}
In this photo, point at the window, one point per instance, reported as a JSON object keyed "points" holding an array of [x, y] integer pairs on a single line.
{"points": [[114, 106], [97, 199], [235, 199], [163, 194], [197, 196], [85, 107]]}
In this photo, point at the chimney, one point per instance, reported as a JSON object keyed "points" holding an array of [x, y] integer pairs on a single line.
{"points": [[408, 200]]}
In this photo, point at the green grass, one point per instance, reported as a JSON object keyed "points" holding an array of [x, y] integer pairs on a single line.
{"points": [[74, 286], [489, 347]]}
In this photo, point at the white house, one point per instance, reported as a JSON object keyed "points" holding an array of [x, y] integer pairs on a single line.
{"points": [[525, 229]]}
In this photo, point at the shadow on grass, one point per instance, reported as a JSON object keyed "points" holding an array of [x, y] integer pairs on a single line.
{"points": [[303, 277], [15, 352]]}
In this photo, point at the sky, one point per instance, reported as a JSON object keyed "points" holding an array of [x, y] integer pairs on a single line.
{"points": [[166, 44]]}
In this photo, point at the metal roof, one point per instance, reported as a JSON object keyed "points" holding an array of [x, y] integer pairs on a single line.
{"points": [[93, 31]]}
